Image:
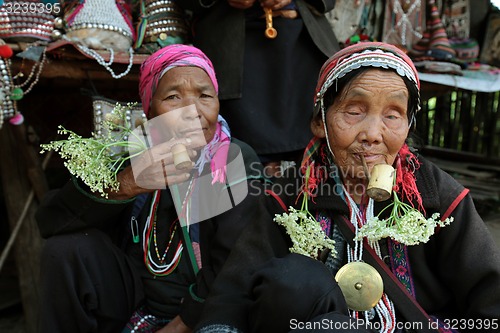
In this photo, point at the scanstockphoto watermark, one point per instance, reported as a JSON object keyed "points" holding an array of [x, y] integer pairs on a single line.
{"points": [[479, 324], [30, 7], [353, 324], [360, 324]]}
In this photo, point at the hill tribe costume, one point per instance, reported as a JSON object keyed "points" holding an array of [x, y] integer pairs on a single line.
{"points": [[109, 261], [449, 278]]}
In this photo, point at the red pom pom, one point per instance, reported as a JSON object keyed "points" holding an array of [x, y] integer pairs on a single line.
{"points": [[6, 51]]}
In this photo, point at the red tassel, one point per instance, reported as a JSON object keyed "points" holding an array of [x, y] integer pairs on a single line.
{"points": [[406, 184], [6, 51]]}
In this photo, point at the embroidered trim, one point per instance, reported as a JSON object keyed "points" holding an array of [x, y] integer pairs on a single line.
{"points": [[142, 322], [325, 222], [400, 265], [217, 328]]}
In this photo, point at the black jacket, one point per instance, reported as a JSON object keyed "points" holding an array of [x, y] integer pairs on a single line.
{"points": [[456, 274], [219, 31], [72, 209]]}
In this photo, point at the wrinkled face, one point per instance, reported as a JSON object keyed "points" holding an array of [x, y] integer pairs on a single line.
{"points": [[369, 118], [188, 103]]}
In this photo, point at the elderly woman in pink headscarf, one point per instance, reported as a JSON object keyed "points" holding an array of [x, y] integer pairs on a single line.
{"points": [[139, 261]]}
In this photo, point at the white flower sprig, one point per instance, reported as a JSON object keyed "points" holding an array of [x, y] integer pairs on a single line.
{"points": [[308, 238], [305, 232], [405, 225], [98, 159]]}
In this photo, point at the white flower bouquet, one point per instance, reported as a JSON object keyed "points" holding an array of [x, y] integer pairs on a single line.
{"points": [[405, 224], [308, 238], [98, 159], [305, 232]]}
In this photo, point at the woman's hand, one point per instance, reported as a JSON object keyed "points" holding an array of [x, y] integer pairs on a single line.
{"points": [[274, 4], [154, 169], [175, 326], [241, 4]]}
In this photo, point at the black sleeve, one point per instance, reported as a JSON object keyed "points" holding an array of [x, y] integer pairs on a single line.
{"points": [[230, 296], [71, 208], [197, 6], [469, 263], [322, 6], [467, 259], [220, 234], [457, 273]]}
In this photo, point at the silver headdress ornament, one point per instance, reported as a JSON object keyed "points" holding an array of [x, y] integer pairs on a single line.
{"points": [[369, 58], [101, 15], [375, 58], [101, 25]]}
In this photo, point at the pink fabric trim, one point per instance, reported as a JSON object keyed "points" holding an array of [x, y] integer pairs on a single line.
{"points": [[219, 159]]}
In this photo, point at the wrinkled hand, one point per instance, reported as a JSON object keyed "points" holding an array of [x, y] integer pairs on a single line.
{"points": [[154, 169], [175, 326]]}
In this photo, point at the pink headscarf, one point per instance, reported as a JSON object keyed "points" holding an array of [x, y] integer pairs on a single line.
{"points": [[157, 64]]}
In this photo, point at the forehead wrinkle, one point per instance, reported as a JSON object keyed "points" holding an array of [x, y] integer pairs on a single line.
{"points": [[358, 88], [182, 86], [400, 94], [181, 82]]}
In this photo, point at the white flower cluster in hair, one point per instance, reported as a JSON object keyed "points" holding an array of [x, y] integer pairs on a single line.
{"points": [[411, 228], [305, 232], [95, 160]]}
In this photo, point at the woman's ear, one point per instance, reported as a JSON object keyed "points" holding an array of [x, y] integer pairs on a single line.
{"points": [[317, 127]]}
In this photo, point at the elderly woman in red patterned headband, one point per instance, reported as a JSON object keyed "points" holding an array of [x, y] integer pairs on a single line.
{"points": [[339, 255], [365, 105], [140, 261]]}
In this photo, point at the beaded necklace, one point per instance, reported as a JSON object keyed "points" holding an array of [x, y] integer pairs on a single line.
{"points": [[36, 70], [173, 228], [10, 92], [384, 308], [7, 105], [160, 268], [107, 65]]}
